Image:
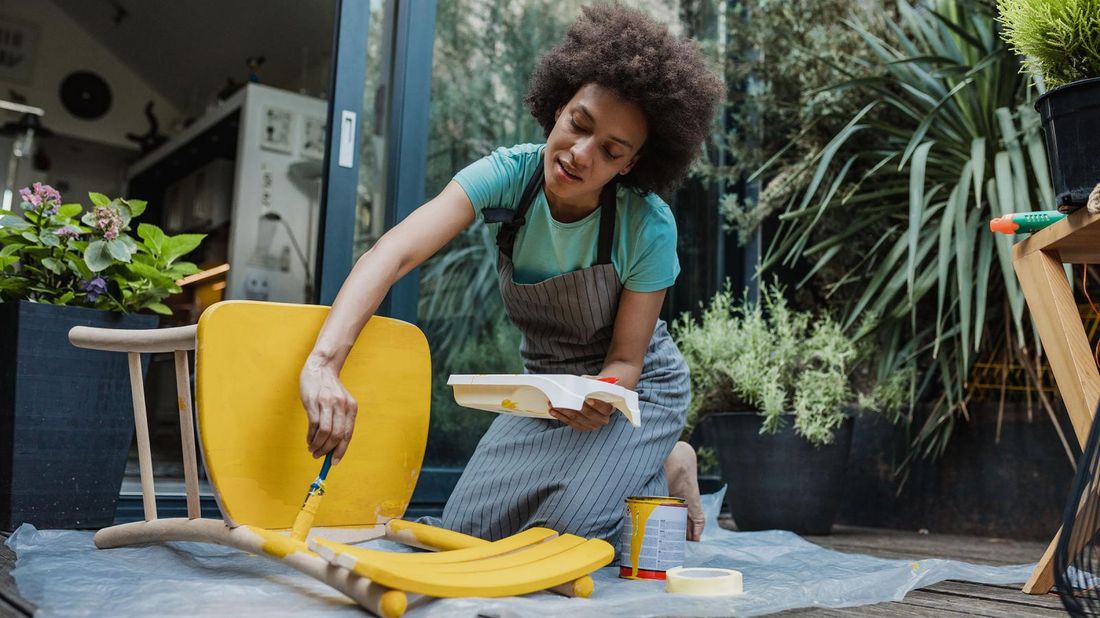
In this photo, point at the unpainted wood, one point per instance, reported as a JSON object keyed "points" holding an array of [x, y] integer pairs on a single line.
{"points": [[187, 434], [134, 340], [1052, 308], [141, 434], [1067, 349]]}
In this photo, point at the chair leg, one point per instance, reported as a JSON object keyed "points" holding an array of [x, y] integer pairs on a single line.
{"points": [[187, 434], [141, 430]]}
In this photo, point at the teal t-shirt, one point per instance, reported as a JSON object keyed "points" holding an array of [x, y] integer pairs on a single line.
{"points": [[644, 248]]}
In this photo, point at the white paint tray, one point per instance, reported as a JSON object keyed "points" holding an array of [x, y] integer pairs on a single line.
{"points": [[534, 395]]}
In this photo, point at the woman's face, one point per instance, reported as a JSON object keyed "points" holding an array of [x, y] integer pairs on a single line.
{"points": [[596, 136]]}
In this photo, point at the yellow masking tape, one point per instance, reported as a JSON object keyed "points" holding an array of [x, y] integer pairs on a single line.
{"points": [[704, 581]]}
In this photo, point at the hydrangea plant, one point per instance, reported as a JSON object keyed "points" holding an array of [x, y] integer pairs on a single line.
{"points": [[61, 254]]}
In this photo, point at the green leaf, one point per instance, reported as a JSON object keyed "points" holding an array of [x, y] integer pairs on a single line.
{"points": [[153, 236], [180, 245], [31, 236], [13, 222], [69, 210], [118, 250], [98, 199], [53, 265], [97, 256], [66, 298], [160, 308], [916, 208], [136, 207], [49, 239]]}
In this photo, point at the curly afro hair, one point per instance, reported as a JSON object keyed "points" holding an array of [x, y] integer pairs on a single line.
{"points": [[625, 50]]}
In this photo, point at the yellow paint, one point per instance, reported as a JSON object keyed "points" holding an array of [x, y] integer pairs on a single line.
{"points": [[508, 404], [304, 521], [640, 510], [513, 543], [253, 426], [278, 545], [583, 587], [532, 560], [423, 535], [393, 603]]}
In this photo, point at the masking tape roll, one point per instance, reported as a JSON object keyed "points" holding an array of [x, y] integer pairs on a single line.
{"points": [[704, 581]]}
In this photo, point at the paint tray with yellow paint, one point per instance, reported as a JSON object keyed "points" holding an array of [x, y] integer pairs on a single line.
{"points": [[534, 395]]}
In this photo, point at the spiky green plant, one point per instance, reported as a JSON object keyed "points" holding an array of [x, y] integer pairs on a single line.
{"points": [[946, 140], [1060, 38]]}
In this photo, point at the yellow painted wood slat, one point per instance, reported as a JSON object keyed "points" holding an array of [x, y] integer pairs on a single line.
{"points": [[507, 581], [513, 543]]}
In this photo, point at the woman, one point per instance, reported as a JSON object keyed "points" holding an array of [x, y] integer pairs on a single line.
{"points": [[587, 251]]}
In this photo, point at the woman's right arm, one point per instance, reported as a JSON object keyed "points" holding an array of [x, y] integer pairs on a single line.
{"points": [[330, 407]]}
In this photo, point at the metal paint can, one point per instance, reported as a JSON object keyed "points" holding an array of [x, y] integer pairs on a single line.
{"points": [[654, 536]]}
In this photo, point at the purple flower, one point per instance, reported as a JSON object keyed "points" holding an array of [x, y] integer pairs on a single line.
{"points": [[68, 232], [38, 194], [95, 287], [108, 221]]}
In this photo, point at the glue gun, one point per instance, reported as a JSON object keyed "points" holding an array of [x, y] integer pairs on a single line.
{"points": [[1025, 222]]}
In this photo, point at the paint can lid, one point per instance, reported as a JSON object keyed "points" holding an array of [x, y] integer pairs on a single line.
{"points": [[703, 581]]}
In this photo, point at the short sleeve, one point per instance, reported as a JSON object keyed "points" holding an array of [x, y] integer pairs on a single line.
{"points": [[655, 266], [497, 180]]}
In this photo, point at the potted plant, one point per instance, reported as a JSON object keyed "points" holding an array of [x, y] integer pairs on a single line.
{"points": [[1060, 41], [65, 413], [774, 391]]}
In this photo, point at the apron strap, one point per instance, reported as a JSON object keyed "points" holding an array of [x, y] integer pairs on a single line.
{"points": [[608, 204], [511, 220]]}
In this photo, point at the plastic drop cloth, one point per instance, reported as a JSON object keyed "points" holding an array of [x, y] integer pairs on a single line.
{"points": [[62, 573]]}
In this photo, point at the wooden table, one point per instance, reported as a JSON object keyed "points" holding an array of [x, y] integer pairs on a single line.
{"points": [[1038, 261]]}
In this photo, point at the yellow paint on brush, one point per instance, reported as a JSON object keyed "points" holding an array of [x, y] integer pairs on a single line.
{"points": [[508, 404], [639, 515], [304, 521]]}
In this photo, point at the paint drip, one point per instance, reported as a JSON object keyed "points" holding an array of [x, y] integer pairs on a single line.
{"points": [[654, 536]]}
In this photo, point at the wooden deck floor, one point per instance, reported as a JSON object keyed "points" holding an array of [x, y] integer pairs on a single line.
{"points": [[943, 599]]}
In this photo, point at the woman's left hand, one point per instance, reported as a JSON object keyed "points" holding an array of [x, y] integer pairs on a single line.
{"points": [[592, 415]]}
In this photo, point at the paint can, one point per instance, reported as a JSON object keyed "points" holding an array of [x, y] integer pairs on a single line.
{"points": [[654, 536]]}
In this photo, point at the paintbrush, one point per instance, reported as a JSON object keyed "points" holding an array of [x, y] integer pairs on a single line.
{"points": [[304, 521]]}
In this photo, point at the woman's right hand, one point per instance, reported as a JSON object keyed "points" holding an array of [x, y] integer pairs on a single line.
{"points": [[331, 410]]}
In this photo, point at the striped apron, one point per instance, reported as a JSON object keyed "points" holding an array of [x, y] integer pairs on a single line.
{"points": [[530, 472]]}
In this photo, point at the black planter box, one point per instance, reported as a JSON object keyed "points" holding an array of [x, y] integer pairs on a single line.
{"points": [[779, 480], [66, 417], [1071, 125]]}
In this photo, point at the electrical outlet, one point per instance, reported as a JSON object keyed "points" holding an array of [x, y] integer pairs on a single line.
{"points": [[313, 137], [277, 129]]}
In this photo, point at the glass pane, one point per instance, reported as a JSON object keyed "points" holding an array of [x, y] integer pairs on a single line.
{"points": [[370, 201]]}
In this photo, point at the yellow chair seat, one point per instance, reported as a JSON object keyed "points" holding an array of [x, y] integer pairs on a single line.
{"points": [[533, 560]]}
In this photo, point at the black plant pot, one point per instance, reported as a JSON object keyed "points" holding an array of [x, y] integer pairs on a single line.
{"points": [[1071, 124], [66, 417], [778, 481]]}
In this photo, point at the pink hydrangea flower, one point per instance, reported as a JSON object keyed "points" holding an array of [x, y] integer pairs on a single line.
{"points": [[108, 221], [38, 194]]}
